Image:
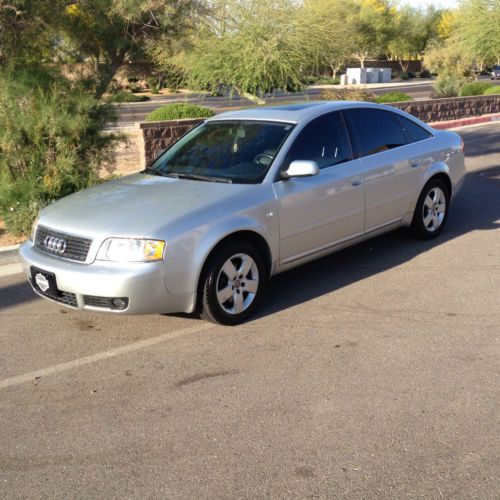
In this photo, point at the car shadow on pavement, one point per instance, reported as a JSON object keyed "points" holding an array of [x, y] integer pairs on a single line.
{"points": [[16, 293], [476, 208]]}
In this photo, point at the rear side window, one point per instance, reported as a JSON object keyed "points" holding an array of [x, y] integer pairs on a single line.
{"points": [[375, 130], [414, 132], [323, 140]]}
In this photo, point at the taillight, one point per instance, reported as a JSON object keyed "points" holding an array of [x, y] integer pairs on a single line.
{"points": [[462, 145]]}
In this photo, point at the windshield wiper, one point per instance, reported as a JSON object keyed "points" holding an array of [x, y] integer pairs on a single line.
{"points": [[199, 177], [152, 171]]}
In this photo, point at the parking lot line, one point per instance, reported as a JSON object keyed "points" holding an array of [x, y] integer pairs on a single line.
{"points": [[75, 363]]}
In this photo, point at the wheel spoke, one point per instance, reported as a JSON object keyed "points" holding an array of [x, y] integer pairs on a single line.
{"points": [[238, 303], [251, 286], [229, 270], [246, 264], [435, 222], [224, 294], [428, 219], [429, 202]]}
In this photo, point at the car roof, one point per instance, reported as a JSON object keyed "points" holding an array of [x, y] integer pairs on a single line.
{"points": [[290, 113]]}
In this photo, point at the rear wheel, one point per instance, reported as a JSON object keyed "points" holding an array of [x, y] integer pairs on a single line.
{"points": [[431, 211], [233, 284]]}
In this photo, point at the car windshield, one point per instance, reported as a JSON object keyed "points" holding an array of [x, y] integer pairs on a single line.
{"points": [[224, 151]]}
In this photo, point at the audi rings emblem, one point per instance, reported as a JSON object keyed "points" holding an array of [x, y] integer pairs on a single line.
{"points": [[55, 245]]}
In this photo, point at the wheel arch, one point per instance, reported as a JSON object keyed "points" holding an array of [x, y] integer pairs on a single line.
{"points": [[445, 178], [246, 235]]}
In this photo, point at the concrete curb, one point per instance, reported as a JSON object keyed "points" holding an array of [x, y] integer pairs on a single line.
{"points": [[9, 255], [465, 122]]}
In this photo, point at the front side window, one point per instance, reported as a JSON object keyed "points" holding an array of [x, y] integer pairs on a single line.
{"points": [[323, 140], [375, 130], [227, 151]]}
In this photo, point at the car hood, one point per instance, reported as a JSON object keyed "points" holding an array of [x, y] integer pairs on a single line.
{"points": [[138, 205]]}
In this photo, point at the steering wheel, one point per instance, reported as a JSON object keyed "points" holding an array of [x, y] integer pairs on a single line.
{"points": [[268, 158]]}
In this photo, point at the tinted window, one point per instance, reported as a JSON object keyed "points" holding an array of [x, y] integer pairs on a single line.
{"points": [[324, 141], [375, 130], [413, 131]]}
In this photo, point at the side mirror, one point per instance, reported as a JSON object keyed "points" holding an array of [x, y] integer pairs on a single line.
{"points": [[301, 168]]}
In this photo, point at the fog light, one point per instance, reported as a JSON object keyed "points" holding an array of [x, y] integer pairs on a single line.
{"points": [[119, 303]]}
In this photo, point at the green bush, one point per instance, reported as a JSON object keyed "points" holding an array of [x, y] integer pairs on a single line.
{"points": [[177, 111], [404, 75], [425, 73], [493, 90], [346, 94], [51, 144], [393, 97], [448, 86], [127, 97], [474, 88], [327, 81]]}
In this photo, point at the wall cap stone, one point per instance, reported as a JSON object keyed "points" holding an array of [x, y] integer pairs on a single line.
{"points": [[171, 123]]}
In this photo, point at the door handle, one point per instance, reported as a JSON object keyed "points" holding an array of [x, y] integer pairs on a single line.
{"points": [[356, 181], [415, 163]]}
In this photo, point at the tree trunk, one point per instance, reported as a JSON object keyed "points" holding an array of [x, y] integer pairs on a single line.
{"points": [[109, 71], [404, 66]]}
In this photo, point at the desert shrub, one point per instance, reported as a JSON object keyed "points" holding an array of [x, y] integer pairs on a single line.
{"points": [[474, 88], [393, 97], [51, 143], [114, 87], [127, 97], [327, 81], [493, 90], [448, 86], [346, 94], [404, 75], [177, 111], [154, 83]]}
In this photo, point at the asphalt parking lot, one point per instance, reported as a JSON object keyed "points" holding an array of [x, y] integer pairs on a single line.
{"points": [[372, 373]]}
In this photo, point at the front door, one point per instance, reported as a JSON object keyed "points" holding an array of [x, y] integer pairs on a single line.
{"points": [[319, 211]]}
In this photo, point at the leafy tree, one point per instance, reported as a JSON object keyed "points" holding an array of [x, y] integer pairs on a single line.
{"points": [[329, 30], [25, 38], [412, 30], [253, 47], [110, 31], [52, 143], [370, 25], [478, 30]]}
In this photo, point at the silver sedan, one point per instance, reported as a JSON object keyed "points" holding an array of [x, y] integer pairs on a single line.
{"points": [[242, 197]]}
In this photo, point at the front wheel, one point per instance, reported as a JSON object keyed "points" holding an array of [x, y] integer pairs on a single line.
{"points": [[232, 284], [431, 211]]}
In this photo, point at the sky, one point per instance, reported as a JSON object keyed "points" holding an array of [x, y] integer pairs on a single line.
{"points": [[437, 3]]}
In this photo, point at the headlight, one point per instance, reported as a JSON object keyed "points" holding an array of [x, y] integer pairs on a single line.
{"points": [[128, 250], [33, 230]]}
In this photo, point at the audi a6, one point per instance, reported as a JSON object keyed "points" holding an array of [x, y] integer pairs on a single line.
{"points": [[243, 196]]}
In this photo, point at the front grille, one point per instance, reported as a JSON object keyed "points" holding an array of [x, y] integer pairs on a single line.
{"points": [[76, 249], [66, 298], [92, 300]]}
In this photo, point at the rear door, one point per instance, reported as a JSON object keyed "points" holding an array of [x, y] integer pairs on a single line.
{"points": [[392, 164], [319, 211]]}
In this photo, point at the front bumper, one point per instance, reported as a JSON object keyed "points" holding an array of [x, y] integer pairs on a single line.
{"points": [[142, 283]]}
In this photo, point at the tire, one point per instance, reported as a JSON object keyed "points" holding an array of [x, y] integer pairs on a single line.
{"points": [[232, 284], [431, 211]]}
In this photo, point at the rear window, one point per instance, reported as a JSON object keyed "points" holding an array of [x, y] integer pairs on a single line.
{"points": [[375, 130], [413, 131]]}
